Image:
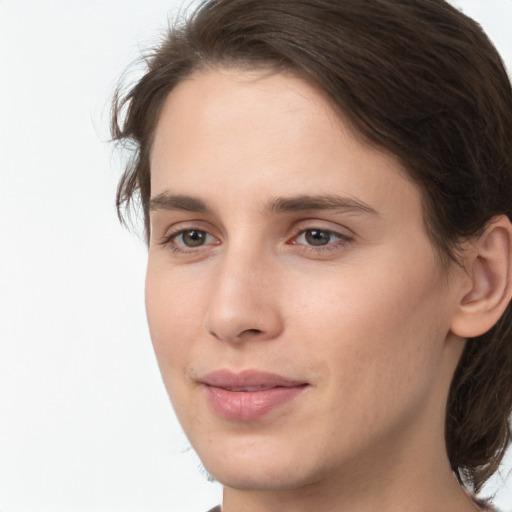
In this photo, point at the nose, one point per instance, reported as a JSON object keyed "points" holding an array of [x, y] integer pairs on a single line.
{"points": [[244, 303]]}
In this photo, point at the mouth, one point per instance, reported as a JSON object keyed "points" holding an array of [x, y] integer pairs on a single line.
{"points": [[249, 395], [249, 389]]}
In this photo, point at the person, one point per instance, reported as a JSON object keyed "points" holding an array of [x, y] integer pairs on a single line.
{"points": [[326, 189]]}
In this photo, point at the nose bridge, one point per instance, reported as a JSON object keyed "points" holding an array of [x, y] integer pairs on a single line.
{"points": [[243, 302]]}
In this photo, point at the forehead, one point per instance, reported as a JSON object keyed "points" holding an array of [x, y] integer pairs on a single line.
{"points": [[216, 105], [243, 131]]}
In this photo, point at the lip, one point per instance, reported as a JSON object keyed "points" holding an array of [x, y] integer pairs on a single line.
{"points": [[250, 394]]}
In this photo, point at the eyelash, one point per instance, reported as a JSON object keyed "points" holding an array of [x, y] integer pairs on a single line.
{"points": [[169, 241], [342, 240]]}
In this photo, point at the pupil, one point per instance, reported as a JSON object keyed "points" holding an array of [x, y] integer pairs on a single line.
{"points": [[317, 237], [194, 238]]}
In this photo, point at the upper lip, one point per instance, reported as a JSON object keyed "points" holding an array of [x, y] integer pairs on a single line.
{"points": [[249, 380]]}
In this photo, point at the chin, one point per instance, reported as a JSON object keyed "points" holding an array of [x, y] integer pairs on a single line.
{"points": [[260, 465], [260, 477]]}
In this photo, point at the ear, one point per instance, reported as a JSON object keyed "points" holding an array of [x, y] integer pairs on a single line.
{"points": [[487, 288]]}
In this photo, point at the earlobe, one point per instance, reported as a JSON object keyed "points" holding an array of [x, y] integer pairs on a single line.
{"points": [[488, 266]]}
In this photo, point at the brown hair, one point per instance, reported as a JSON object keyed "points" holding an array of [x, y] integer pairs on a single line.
{"points": [[415, 77]]}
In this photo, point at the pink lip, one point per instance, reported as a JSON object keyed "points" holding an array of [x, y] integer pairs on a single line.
{"points": [[248, 395]]}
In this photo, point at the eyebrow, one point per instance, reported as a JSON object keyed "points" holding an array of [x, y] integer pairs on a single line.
{"points": [[172, 202], [166, 201], [319, 202]]}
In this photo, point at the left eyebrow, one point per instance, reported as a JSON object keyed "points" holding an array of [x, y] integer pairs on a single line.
{"points": [[319, 202]]}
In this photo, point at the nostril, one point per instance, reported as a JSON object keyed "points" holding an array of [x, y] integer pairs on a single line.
{"points": [[240, 335]]}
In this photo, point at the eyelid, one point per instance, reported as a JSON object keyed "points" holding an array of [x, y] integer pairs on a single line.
{"points": [[337, 234], [344, 236], [176, 234], [171, 227], [174, 231], [323, 225], [326, 231]]}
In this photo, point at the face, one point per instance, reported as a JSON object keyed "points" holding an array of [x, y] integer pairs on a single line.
{"points": [[295, 302]]}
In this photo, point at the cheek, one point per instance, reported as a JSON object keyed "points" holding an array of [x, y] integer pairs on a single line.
{"points": [[171, 319], [378, 330]]}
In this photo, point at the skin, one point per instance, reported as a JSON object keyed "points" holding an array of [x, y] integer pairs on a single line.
{"points": [[364, 320]]}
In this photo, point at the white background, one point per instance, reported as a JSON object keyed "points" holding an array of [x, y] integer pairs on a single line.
{"points": [[85, 424]]}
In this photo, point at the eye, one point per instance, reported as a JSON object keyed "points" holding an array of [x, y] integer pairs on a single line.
{"points": [[191, 237], [318, 237], [188, 240]]}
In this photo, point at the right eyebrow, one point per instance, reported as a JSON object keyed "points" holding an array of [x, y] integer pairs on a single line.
{"points": [[166, 201], [319, 202]]}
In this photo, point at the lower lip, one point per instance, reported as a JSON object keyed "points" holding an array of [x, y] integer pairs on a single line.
{"points": [[249, 405]]}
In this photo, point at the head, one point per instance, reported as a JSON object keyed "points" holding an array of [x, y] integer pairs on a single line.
{"points": [[416, 83]]}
